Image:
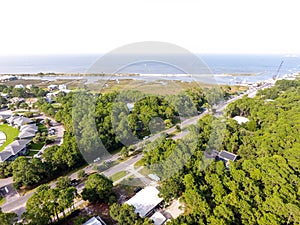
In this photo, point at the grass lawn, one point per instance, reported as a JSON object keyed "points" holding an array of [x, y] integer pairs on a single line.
{"points": [[32, 153], [42, 128], [139, 164], [36, 146], [2, 200], [132, 181], [118, 175], [145, 172], [10, 132]]}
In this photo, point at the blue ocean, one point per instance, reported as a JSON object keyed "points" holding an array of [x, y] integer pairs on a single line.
{"points": [[261, 67]]}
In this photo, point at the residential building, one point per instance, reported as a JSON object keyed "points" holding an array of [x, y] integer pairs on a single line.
{"points": [[96, 220], [15, 149], [18, 121], [53, 87], [241, 119], [20, 86], [62, 87], [158, 218], [145, 201]]}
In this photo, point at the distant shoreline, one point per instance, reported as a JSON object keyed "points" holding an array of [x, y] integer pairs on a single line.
{"points": [[120, 75]]}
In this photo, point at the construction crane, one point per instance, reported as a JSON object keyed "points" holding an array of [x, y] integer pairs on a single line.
{"points": [[275, 77]]}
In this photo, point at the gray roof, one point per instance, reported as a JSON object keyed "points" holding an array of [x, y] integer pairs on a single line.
{"points": [[26, 134], [13, 149], [22, 120], [227, 155], [2, 116], [28, 131], [4, 155], [17, 146], [29, 126], [19, 120]]}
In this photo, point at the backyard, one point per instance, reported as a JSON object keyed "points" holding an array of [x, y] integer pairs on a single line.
{"points": [[10, 132]]}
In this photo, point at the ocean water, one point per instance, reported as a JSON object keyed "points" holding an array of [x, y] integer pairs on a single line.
{"points": [[261, 67]]}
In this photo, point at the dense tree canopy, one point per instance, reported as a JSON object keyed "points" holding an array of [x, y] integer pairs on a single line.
{"points": [[98, 188], [262, 187], [124, 214], [7, 218], [44, 206]]}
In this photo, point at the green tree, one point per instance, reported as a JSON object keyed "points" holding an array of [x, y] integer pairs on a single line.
{"points": [[26, 173], [7, 218], [98, 188], [63, 182], [125, 215]]}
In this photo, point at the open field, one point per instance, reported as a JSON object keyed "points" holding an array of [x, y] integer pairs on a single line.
{"points": [[10, 132]]}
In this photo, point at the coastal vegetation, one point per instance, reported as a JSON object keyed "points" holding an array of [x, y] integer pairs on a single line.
{"points": [[262, 187]]}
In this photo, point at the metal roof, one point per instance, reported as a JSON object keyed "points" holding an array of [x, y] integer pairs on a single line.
{"points": [[145, 200], [227, 155]]}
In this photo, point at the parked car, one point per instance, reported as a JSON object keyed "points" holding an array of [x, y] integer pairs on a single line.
{"points": [[74, 182]]}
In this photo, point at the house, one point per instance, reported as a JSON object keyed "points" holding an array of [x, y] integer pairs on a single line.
{"points": [[52, 87], [16, 100], [130, 106], [49, 99], [28, 131], [227, 157], [8, 78], [223, 155], [62, 87], [28, 86], [145, 201], [158, 218], [19, 86], [18, 121], [31, 101], [5, 155], [95, 221], [15, 149], [4, 117], [241, 119]]}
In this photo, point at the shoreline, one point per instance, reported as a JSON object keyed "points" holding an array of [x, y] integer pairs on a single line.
{"points": [[122, 75]]}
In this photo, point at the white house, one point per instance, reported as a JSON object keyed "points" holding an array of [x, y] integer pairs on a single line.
{"points": [[241, 119], [62, 87], [145, 201], [20, 86], [95, 221], [158, 218]]}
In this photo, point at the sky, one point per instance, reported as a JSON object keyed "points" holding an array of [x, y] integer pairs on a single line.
{"points": [[96, 26]]}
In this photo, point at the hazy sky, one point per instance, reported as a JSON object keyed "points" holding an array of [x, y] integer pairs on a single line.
{"points": [[96, 26]]}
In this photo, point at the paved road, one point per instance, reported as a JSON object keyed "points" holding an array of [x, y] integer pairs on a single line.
{"points": [[6, 181]]}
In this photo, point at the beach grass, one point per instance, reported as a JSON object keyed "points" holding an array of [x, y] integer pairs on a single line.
{"points": [[10, 132]]}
